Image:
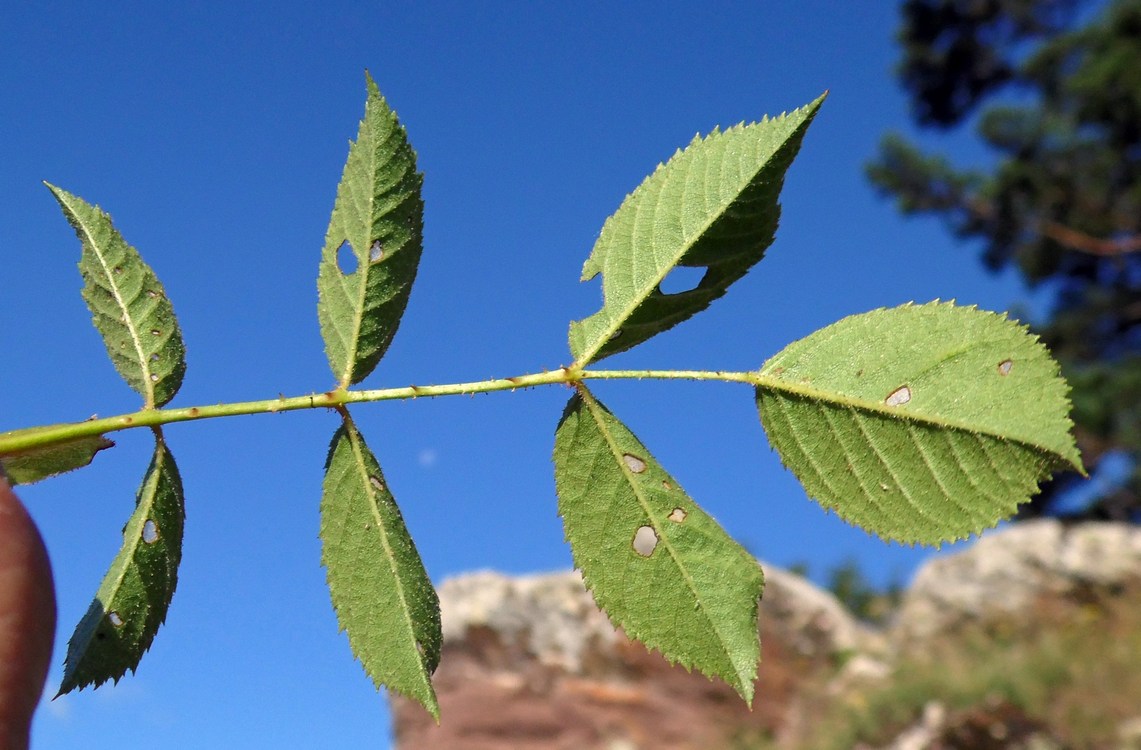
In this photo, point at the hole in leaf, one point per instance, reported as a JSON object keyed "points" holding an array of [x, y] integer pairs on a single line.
{"points": [[118, 270], [645, 541], [156, 332], [615, 335], [154, 377], [1005, 366], [376, 252], [154, 358], [899, 396], [376, 483], [115, 619], [682, 279], [633, 463], [677, 515], [150, 532], [346, 259]]}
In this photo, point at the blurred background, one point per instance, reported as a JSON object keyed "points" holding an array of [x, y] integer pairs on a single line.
{"points": [[215, 134]]}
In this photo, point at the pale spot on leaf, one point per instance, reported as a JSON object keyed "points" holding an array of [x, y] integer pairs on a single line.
{"points": [[633, 463], [677, 515], [154, 377], [376, 483], [645, 541], [115, 619], [1005, 366], [150, 532], [899, 396], [375, 252]]}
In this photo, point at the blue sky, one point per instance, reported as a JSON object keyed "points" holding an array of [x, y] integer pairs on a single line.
{"points": [[215, 134]]}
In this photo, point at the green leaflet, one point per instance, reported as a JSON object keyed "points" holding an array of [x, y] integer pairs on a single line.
{"points": [[132, 600], [379, 217], [33, 464], [128, 304], [380, 590], [922, 423], [660, 567], [713, 204]]}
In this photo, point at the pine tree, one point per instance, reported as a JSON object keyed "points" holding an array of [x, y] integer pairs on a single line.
{"points": [[1053, 88]]}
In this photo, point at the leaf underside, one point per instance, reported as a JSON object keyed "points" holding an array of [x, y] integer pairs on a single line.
{"points": [[381, 592], [660, 567], [922, 423], [378, 217], [133, 599], [33, 464], [128, 305], [713, 205]]}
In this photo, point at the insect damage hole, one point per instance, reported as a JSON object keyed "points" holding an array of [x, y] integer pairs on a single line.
{"points": [[633, 463], [376, 483], [677, 515], [1005, 366], [115, 619], [682, 279], [375, 252], [150, 532], [899, 396], [645, 541], [347, 261]]}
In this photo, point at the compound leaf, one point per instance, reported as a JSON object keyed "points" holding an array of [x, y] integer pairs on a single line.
{"points": [[30, 465], [373, 244], [381, 592], [714, 205], [128, 304], [660, 567], [922, 423], [133, 599]]}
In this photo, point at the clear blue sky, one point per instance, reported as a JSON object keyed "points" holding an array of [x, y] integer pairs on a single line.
{"points": [[215, 134]]}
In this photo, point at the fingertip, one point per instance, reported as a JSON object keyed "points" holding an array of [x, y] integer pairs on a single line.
{"points": [[27, 616]]}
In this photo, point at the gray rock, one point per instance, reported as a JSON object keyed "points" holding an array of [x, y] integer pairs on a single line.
{"points": [[1006, 571]]}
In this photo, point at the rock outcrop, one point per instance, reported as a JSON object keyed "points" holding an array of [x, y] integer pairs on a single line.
{"points": [[529, 663], [1007, 573]]}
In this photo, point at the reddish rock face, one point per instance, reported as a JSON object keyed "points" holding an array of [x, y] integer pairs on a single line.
{"points": [[532, 664]]}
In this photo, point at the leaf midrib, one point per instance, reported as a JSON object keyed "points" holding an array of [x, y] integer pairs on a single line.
{"points": [[626, 312], [370, 492], [834, 399], [128, 321]]}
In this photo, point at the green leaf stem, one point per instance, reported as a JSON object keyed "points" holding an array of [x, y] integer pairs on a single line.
{"points": [[33, 464]]}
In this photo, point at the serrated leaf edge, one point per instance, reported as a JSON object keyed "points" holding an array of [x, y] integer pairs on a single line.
{"points": [[746, 679], [592, 267], [66, 201], [356, 441], [132, 542]]}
